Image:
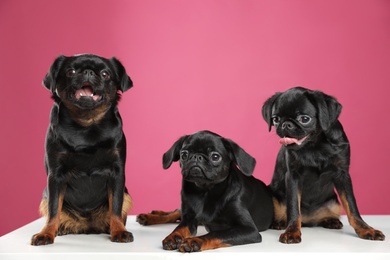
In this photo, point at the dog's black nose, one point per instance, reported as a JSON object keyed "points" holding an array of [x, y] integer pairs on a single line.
{"points": [[288, 125], [197, 157], [89, 73]]}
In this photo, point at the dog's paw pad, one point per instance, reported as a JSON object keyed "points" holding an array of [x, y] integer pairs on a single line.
{"points": [[122, 237], [290, 238], [172, 242], [42, 239], [371, 234], [142, 219], [190, 245]]}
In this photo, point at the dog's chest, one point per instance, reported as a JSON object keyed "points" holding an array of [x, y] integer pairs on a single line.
{"points": [[100, 162], [320, 159], [89, 138], [87, 191], [209, 208]]}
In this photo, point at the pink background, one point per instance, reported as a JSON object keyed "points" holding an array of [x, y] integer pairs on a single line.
{"points": [[196, 65]]}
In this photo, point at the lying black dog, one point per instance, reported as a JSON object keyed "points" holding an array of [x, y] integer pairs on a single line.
{"points": [[85, 150], [313, 160], [218, 191]]}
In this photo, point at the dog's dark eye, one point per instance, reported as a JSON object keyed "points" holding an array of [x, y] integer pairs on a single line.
{"points": [[215, 157], [304, 119], [105, 75], [275, 120], [70, 73], [184, 155]]}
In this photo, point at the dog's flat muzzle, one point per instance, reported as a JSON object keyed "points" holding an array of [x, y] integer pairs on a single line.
{"points": [[196, 171]]}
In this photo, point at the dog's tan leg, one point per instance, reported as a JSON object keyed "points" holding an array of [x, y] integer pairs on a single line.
{"points": [[362, 229], [328, 216], [49, 231], [118, 231], [159, 217], [292, 234], [280, 215]]}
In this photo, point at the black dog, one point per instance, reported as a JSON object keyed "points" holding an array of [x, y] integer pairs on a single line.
{"points": [[218, 191], [85, 150], [313, 160]]}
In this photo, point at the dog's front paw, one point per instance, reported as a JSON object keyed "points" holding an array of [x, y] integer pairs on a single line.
{"points": [[122, 237], [142, 219], [42, 239], [189, 245], [290, 237], [370, 234], [172, 242]]}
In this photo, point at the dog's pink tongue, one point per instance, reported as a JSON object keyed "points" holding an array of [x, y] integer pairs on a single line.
{"points": [[84, 92], [288, 140]]}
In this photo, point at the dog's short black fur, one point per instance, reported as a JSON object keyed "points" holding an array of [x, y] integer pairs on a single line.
{"points": [[313, 161], [85, 150], [218, 191]]}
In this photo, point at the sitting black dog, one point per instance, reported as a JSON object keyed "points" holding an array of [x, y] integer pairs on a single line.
{"points": [[313, 161], [218, 191], [85, 150]]}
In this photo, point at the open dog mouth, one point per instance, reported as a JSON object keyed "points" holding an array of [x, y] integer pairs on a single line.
{"points": [[289, 140], [87, 92]]}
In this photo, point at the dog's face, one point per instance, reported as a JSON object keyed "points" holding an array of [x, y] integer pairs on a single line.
{"points": [[207, 158], [299, 115], [86, 81]]}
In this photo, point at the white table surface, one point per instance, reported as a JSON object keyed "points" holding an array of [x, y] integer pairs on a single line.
{"points": [[147, 244]]}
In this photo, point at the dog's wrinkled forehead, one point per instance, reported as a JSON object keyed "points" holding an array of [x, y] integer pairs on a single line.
{"points": [[204, 142], [89, 61], [292, 103]]}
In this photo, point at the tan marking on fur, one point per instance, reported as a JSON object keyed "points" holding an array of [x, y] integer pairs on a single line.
{"points": [[182, 232], [88, 118], [117, 224], [74, 223], [161, 217], [351, 219], [280, 211], [127, 205], [329, 210], [362, 229], [212, 244], [52, 225], [84, 117]]}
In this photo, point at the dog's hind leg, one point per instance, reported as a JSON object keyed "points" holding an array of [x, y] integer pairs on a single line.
{"points": [[159, 217]]}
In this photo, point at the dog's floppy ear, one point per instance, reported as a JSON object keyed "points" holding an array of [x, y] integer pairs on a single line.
{"points": [[125, 81], [328, 108], [267, 109], [245, 162], [173, 154], [50, 80]]}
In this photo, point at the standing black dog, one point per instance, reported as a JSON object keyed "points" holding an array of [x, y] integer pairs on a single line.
{"points": [[85, 150], [313, 160], [218, 191]]}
